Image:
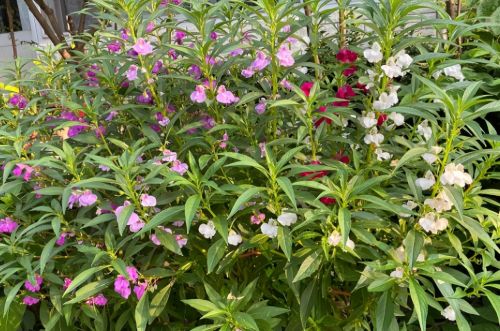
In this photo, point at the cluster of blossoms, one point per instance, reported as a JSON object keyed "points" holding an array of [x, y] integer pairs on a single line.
{"points": [[19, 101], [122, 284], [270, 228], [175, 164], [79, 198], [8, 225]]}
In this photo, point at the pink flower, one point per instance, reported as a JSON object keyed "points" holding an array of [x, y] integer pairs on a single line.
{"points": [[150, 27], [34, 287], [132, 72], [122, 286], [140, 289], [134, 222], [346, 56], [87, 198], [181, 240], [99, 300], [62, 239], [148, 200], [198, 94], [179, 167], [226, 97], [236, 52], [306, 88], [286, 84], [169, 156], [260, 108], [30, 301], [286, 28], [179, 36], [247, 73], [142, 47], [23, 168], [67, 283], [155, 240], [8, 225], [213, 35], [260, 62], [285, 57], [223, 142], [257, 219], [132, 274], [114, 46]]}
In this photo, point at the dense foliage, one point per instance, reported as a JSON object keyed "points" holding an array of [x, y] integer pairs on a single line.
{"points": [[214, 166]]}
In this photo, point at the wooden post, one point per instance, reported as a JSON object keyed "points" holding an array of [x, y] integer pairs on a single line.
{"points": [[10, 18]]}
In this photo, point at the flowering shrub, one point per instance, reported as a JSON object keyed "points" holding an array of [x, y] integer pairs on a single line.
{"points": [[209, 166]]}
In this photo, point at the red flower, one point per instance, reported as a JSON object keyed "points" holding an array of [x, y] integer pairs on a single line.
{"points": [[322, 109], [344, 92], [328, 201], [349, 71], [346, 56], [362, 87], [314, 174], [306, 88], [381, 119], [340, 156]]}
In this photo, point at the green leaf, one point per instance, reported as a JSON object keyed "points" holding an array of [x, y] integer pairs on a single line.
{"points": [[345, 224], [408, 156], [381, 284], [82, 277], [215, 254], [10, 297], [12, 320], [419, 300], [246, 321], [286, 186], [495, 302], [191, 206], [285, 241], [201, 305], [307, 299], [123, 218], [244, 197], [413, 244], [168, 241], [309, 266], [159, 301], [161, 218], [89, 290], [46, 252], [384, 312], [142, 313]]}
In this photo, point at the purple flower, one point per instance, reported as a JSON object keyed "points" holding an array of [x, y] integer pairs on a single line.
{"points": [[99, 300], [208, 122], [162, 120], [19, 101], [30, 301], [286, 28], [140, 289], [62, 239], [226, 97], [23, 170], [132, 72], [76, 130], [179, 36], [169, 156], [34, 287], [213, 35], [8, 225], [198, 94], [150, 27], [145, 98], [104, 168], [261, 62], [142, 47], [195, 71], [87, 198], [260, 108], [236, 52], [157, 67], [132, 274], [286, 84], [124, 34], [210, 60], [100, 131], [223, 142], [247, 73], [285, 57], [67, 283], [122, 286], [172, 53], [114, 46], [148, 200], [134, 222], [179, 167], [112, 114]]}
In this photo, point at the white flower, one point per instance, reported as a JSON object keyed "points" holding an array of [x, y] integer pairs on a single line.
{"points": [[429, 158], [437, 73], [455, 174], [410, 205], [427, 181], [207, 230], [386, 101], [454, 71], [287, 219], [398, 273], [397, 118], [440, 203], [270, 229], [400, 254], [234, 238], [391, 69], [374, 137], [368, 120], [381, 155], [421, 257], [449, 313], [403, 60], [350, 244], [334, 238], [373, 55], [425, 130], [372, 77], [431, 222]]}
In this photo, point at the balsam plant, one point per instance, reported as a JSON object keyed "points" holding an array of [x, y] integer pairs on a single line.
{"points": [[212, 166]]}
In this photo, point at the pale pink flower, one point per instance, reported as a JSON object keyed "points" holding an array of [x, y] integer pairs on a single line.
{"points": [[148, 200], [226, 97], [132, 72], [285, 57], [199, 94], [179, 167], [132, 273], [142, 47], [30, 301]]}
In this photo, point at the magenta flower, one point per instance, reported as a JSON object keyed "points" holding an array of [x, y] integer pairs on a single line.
{"points": [[198, 94], [157, 67], [179, 167], [134, 222], [99, 300], [223, 142], [285, 57], [140, 289], [195, 71], [122, 286], [142, 47], [213, 35], [87, 198], [124, 34], [257, 219], [23, 170], [114, 46], [150, 27], [261, 62], [236, 52], [30, 301], [8, 225], [145, 98], [173, 54], [226, 97], [349, 71], [19, 101], [260, 108], [62, 239], [132, 274], [346, 56], [179, 36], [67, 283], [210, 60], [148, 200], [34, 287], [247, 73], [132, 72]]}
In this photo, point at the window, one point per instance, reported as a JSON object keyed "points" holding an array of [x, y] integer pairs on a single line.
{"points": [[4, 17]]}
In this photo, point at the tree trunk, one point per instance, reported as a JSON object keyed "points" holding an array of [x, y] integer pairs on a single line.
{"points": [[10, 18]]}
